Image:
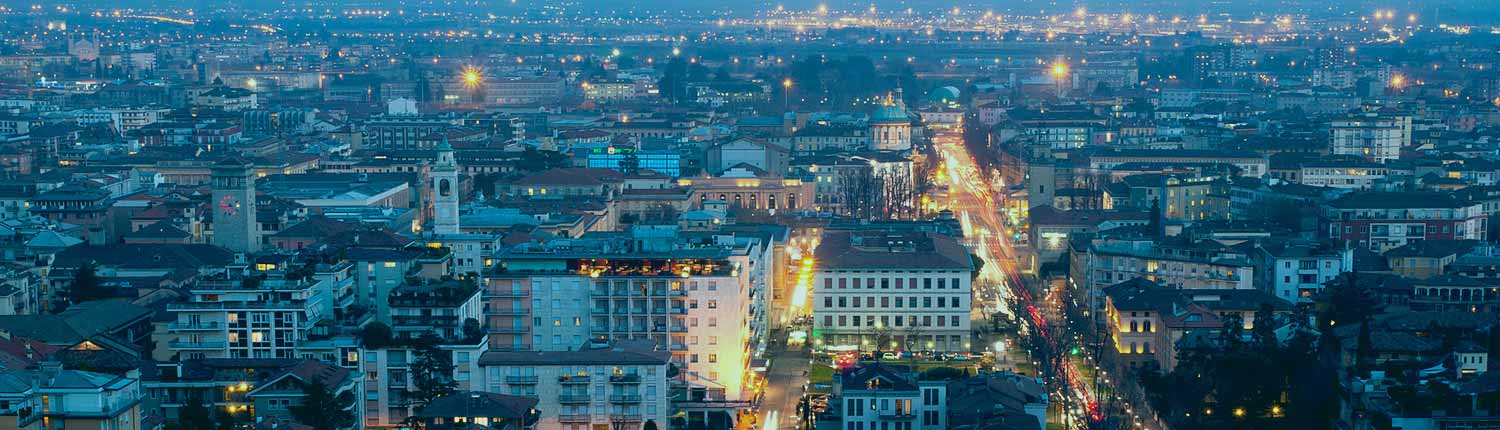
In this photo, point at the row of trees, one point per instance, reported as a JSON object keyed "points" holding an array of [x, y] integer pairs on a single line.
{"points": [[1254, 384], [320, 409], [879, 194]]}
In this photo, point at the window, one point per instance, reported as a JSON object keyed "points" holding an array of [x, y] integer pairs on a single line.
{"points": [[713, 304]]}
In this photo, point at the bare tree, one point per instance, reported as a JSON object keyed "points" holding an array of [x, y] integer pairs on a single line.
{"points": [[898, 193]]}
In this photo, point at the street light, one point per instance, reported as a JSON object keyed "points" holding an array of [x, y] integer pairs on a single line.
{"points": [[786, 94]]}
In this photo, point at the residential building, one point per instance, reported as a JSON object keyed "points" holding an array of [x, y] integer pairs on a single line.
{"points": [[246, 316], [606, 386], [1384, 220], [911, 289], [1376, 138], [54, 398], [1296, 271], [881, 396], [701, 295], [469, 410]]}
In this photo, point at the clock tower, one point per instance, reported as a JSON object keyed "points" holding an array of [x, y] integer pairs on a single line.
{"points": [[445, 191], [233, 186]]}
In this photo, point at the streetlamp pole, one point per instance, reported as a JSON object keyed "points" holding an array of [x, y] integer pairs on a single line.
{"points": [[786, 94]]}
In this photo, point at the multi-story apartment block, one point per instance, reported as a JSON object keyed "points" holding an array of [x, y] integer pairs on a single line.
{"points": [[418, 312], [1100, 262], [1342, 173], [1377, 138], [1296, 271], [1383, 220], [700, 295], [54, 398], [606, 386], [892, 291], [447, 308], [883, 397], [239, 315]]}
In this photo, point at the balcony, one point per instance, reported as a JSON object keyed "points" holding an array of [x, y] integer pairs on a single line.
{"points": [[624, 398], [625, 379], [599, 311], [510, 311], [190, 326], [200, 344], [425, 320], [510, 330], [573, 380], [521, 379], [509, 293], [896, 415], [584, 418], [573, 399], [624, 418]]}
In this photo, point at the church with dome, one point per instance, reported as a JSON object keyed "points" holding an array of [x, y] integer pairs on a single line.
{"points": [[890, 125]]}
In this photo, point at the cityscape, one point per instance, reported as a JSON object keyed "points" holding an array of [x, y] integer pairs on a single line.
{"points": [[715, 215]]}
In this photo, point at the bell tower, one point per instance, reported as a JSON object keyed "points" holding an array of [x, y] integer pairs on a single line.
{"points": [[445, 191]]}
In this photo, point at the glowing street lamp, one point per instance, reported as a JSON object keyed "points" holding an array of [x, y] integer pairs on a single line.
{"points": [[1398, 81], [1059, 74]]}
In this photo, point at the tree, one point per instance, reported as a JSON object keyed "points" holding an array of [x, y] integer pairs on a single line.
{"points": [[473, 330], [1364, 349], [1348, 302], [321, 410], [225, 420], [376, 335], [1156, 225], [432, 371], [1264, 330], [86, 285], [194, 416]]}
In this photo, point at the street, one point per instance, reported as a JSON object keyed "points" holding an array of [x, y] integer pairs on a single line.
{"points": [[977, 203], [784, 381]]}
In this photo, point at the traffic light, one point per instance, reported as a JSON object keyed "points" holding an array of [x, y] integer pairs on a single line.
{"points": [[1073, 351]]}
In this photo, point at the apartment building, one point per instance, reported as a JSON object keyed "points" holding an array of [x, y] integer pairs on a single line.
{"points": [[892, 291], [1096, 263], [700, 295], [1296, 271], [1376, 138], [607, 386], [53, 398], [1383, 220], [237, 315], [883, 397]]}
